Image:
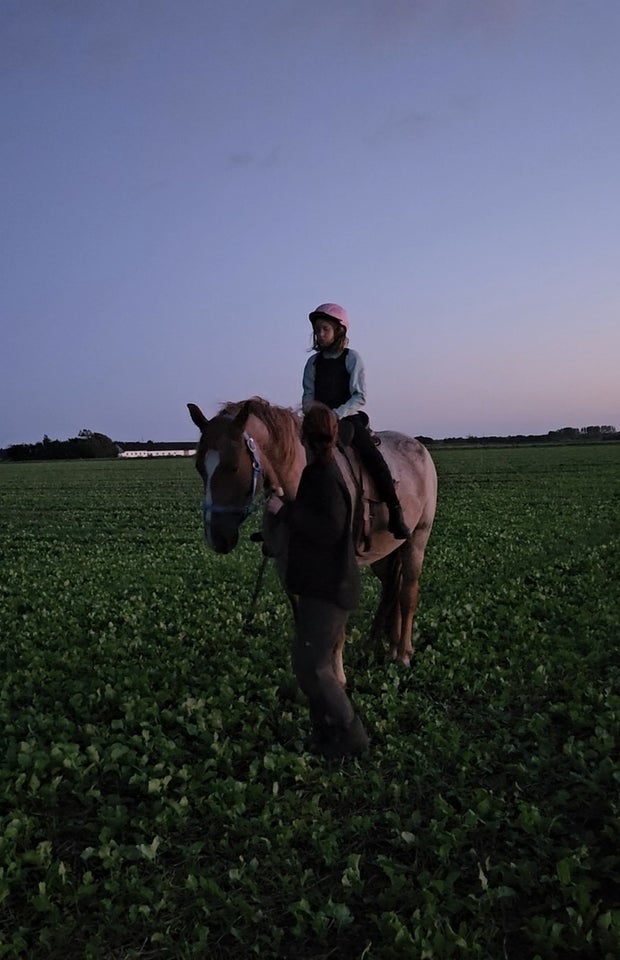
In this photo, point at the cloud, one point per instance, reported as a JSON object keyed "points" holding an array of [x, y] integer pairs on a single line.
{"points": [[66, 35], [377, 27], [247, 159], [410, 126]]}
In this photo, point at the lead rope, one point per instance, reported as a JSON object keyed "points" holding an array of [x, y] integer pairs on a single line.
{"points": [[249, 617], [256, 537]]}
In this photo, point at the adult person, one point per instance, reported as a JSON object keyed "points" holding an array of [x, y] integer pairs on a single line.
{"points": [[334, 375], [322, 572]]}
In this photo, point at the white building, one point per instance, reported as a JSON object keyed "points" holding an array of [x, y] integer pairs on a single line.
{"points": [[133, 450]]}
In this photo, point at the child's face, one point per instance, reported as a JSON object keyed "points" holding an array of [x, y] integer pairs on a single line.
{"points": [[325, 333]]}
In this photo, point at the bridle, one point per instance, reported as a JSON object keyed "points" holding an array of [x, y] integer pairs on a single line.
{"points": [[249, 506]]}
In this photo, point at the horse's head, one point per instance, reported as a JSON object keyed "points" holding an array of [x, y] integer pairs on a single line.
{"points": [[228, 461]]}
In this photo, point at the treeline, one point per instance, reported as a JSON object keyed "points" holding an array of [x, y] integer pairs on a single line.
{"points": [[88, 445], [563, 435]]}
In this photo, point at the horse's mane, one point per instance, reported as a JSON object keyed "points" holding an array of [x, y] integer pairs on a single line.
{"points": [[283, 424]]}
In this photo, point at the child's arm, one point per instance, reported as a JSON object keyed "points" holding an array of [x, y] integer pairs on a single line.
{"points": [[357, 385], [308, 384]]}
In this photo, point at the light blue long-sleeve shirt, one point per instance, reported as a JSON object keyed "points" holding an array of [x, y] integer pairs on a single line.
{"points": [[357, 383]]}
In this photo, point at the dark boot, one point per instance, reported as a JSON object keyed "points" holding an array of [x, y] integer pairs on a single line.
{"points": [[380, 472], [397, 525], [315, 742], [348, 741], [321, 729]]}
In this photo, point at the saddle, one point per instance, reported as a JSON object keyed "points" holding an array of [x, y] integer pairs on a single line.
{"points": [[368, 499]]}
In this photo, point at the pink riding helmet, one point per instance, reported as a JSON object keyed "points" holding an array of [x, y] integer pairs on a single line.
{"points": [[330, 311]]}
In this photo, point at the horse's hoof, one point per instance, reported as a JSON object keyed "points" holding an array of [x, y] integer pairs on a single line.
{"points": [[403, 661]]}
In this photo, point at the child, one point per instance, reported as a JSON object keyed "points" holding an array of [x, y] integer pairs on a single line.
{"points": [[334, 375], [322, 572]]}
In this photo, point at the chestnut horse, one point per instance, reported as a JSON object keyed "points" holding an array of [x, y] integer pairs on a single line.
{"points": [[254, 446]]}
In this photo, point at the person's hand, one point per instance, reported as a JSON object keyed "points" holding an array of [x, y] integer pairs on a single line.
{"points": [[274, 504]]}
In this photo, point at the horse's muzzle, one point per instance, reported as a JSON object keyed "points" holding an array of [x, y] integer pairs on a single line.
{"points": [[224, 546], [221, 536]]}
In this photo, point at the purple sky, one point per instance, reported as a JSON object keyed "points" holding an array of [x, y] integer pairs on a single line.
{"points": [[184, 181]]}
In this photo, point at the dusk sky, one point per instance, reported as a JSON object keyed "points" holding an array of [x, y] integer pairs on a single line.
{"points": [[184, 180]]}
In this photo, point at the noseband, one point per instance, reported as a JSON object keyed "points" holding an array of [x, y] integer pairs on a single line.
{"points": [[249, 505]]}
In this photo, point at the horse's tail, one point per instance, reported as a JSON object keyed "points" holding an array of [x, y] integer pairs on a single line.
{"points": [[386, 623]]}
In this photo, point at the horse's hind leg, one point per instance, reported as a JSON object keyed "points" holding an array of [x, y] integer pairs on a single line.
{"points": [[412, 558], [399, 574], [386, 624], [382, 617], [402, 644]]}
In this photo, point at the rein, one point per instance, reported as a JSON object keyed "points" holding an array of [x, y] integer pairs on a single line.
{"points": [[257, 472]]}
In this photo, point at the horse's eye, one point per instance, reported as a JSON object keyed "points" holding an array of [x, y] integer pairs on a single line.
{"points": [[229, 462], [229, 458]]}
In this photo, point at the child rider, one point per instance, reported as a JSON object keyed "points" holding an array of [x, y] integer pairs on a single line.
{"points": [[334, 375]]}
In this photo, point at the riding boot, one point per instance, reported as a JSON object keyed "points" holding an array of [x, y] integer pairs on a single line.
{"points": [[385, 486], [396, 524], [316, 740], [321, 730], [345, 741]]}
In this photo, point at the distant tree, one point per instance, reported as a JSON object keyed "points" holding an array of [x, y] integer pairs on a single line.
{"points": [[87, 446], [565, 433], [99, 445]]}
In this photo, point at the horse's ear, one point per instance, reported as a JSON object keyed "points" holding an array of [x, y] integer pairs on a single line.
{"points": [[240, 420], [197, 416]]}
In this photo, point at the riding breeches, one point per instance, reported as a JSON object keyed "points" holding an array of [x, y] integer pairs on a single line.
{"points": [[373, 460], [319, 630]]}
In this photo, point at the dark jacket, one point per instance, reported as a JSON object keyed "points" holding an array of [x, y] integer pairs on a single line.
{"points": [[321, 558]]}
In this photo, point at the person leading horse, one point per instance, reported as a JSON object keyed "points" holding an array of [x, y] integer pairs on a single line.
{"points": [[322, 573]]}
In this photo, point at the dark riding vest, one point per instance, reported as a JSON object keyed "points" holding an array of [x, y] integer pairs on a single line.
{"points": [[332, 382]]}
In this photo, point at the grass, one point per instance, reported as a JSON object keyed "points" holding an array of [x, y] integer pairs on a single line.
{"points": [[156, 798]]}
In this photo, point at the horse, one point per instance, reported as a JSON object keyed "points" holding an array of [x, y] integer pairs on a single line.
{"points": [[252, 446]]}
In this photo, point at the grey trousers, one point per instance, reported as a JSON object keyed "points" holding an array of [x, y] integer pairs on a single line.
{"points": [[319, 625]]}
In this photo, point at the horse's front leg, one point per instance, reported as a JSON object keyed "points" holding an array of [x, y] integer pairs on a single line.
{"points": [[293, 599], [395, 633], [337, 659]]}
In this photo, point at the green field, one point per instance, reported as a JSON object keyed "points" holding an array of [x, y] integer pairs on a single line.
{"points": [[156, 801]]}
